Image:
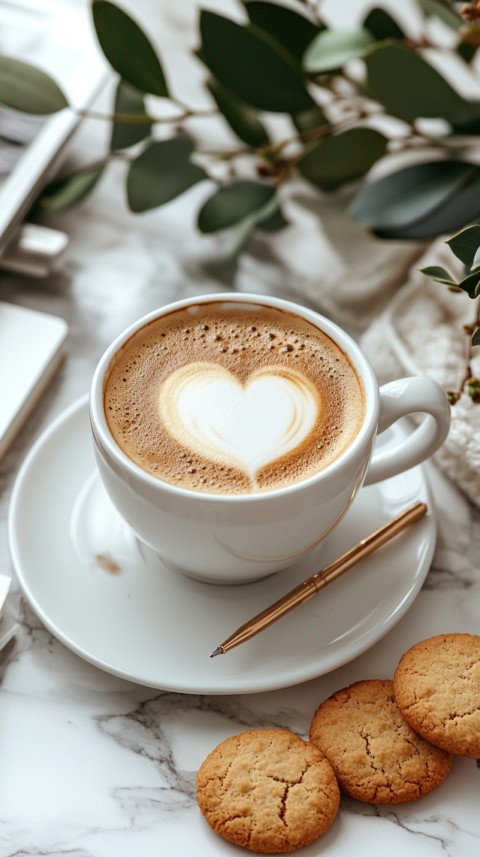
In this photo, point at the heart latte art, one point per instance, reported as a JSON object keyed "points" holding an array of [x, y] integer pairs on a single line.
{"points": [[231, 398], [208, 411]]}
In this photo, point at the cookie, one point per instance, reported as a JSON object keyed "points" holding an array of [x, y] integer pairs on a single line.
{"points": [[376, 756], [437, 688], [268, 790]]}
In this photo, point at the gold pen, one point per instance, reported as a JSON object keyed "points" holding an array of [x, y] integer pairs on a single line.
{"points": [[322, 578]]}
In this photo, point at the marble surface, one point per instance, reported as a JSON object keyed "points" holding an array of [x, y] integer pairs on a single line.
{"points": [[94, 766]]}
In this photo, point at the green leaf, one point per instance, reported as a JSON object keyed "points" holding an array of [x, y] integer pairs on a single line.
{"points": [[442, 10], [160, 173], [233, 203], [470, 284], [275, 222], [293, 31], [410, 88], [331, 49], [309, 120], [337, 159], [127, 49], [382, 26], [241, 119], [461, 208], [465, 244], [252, 66], [128, 102], [407, 196], [224, 265], [466, 51], [64, 193], [26, 88], [440, 275], [476, 337]]}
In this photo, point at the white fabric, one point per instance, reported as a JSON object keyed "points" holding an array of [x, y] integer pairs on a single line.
{"points": [[421, 332]]}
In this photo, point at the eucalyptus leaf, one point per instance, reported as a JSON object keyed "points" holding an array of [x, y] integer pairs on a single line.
{"points": [[224, 264], [242, 119], [442, 10], [161, 172], [309, 120], [128, 102], [382, 26], [407, 196], [128, 49], [256, 68], [466, 51], [343, 157], [274, 222], [293, 31], [233, 203], [476, 337], [26, 88], [440, 275], [460, 208], [331, 49], [410, 88], [470, 284], [64, 193], [465, 244]]}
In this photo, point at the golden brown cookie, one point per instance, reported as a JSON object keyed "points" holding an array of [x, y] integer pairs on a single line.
{"points": [[376, 757], [268, 791], [437, 688]]}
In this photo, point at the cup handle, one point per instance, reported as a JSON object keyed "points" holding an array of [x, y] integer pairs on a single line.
{"points": [[398, 399]]}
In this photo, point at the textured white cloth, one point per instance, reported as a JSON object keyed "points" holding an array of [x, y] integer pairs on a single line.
{"points": [[421, 332]]}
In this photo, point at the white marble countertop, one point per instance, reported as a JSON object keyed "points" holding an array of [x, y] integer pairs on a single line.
{"points": [[95, 766]]}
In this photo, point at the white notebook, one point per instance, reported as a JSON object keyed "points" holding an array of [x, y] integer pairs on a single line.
{"points": [[57, 36], [31, 349]]}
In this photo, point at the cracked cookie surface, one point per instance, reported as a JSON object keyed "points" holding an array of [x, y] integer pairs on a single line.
{"points": [[376, 756], [437, 688], [268, 790]]}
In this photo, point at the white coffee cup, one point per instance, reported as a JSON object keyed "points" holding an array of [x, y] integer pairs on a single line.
{"points": [[234, 538]]}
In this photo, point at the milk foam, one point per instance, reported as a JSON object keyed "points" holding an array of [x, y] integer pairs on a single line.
{"points": [[208, 411], [228, 399]]}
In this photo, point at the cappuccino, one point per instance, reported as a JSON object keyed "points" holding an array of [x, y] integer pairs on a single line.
{"points": [[232, 398]]}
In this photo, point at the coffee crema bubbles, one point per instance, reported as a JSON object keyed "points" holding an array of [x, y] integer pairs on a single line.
{"points": [[232, 398]]}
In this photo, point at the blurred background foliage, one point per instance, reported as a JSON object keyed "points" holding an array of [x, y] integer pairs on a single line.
{"points": [[372, 106]]}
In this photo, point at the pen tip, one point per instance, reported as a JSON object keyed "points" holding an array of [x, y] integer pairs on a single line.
{"points": [[218, 651]]}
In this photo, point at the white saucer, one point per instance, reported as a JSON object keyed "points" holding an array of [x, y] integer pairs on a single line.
{"points": [[115, 605]]}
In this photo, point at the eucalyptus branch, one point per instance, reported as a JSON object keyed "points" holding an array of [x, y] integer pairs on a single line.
{"points": [[465, 245], [283, 169], [124, 118], [273, 165], [284, 61], [145, 118], [291, 63], [469, 383]]}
